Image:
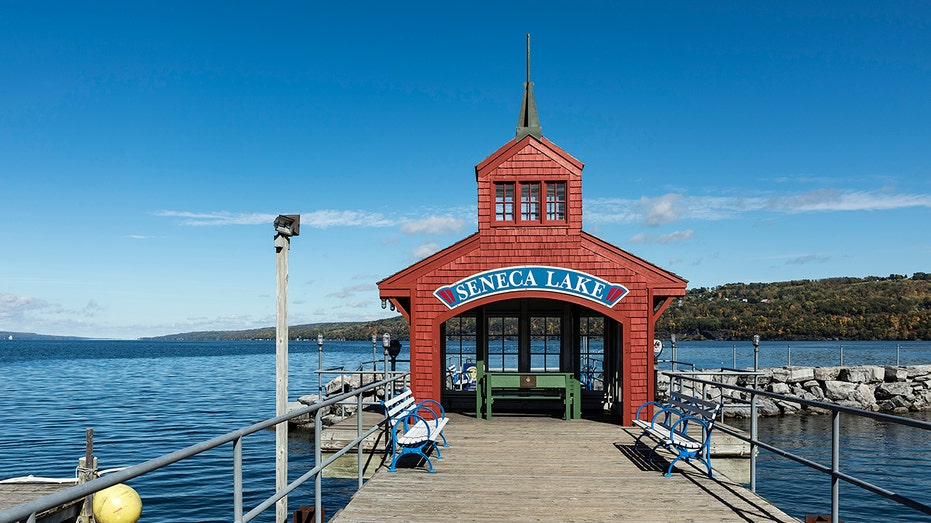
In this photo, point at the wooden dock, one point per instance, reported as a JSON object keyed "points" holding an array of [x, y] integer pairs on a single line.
{"points": [[538, 468], [13, 493]]}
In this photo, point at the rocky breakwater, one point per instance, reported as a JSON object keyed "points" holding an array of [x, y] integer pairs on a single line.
{"points": [[868, 387], [339, 385]]}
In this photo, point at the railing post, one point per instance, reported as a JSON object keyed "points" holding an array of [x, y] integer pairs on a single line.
{"points": [[88, 469], [753, 435], [754, 432], [237, 480], [318, 458], [835, 465], [359, 435]]}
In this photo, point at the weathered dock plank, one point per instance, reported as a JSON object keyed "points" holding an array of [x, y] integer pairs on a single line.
{"points": [[16, 493], [525, 468]]}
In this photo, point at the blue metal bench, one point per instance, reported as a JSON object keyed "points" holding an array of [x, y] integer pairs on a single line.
{"points": [[683, 426], [415, 427]]}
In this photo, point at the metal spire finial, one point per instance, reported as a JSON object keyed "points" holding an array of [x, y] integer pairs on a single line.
{"points": [[528, 122]]}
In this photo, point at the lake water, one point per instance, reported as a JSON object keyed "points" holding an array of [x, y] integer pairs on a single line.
{"points": [[145, 399], [148, 398], [739, 355]]}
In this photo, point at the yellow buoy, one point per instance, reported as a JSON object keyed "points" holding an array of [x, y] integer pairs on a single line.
{"points": [[117, 504]]}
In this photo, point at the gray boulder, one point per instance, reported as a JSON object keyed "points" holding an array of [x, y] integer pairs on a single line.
{"points": [[889, 390], [826, 373], [778, 387], [862, 374], [838, 390], [896, 374], [800, 374], [863, 395]]}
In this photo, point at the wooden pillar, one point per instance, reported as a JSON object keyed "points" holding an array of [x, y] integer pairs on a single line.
{"points": [[282, 245]]}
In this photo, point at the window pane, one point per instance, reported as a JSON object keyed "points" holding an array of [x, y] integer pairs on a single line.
{"points": [[530, 202], [556, 201], [591, 373], [545, 343], [504, 202], [502, 343], [460, 353]]}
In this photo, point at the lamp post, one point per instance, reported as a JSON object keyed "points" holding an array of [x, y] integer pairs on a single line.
{"points": [[756, 352], [753, 421], [394, 348], [385, 343], [286, 226], [319, 367], [672, 343]]}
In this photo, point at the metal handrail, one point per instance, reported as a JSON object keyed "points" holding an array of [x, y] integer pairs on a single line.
{"points": [[834, 469], [673, 363], [28, 511]]}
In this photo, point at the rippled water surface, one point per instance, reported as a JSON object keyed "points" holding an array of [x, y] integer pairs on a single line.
{"points": [[148, 398]]}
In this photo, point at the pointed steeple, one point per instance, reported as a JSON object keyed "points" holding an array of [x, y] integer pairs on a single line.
{"points": [[529, 122]]}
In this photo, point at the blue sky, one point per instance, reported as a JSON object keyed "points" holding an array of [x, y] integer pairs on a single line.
{"points": [[146, 147]]}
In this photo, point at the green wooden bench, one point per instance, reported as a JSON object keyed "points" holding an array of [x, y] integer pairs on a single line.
{"points": [[521, 386]]}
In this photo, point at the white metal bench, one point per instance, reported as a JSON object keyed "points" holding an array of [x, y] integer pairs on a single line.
{"points": [[415, 427], [682, 426]]}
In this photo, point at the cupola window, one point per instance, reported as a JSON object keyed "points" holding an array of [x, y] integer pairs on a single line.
{"points": [[530, 202], [556, 201], [504, 202], [532, 208]]}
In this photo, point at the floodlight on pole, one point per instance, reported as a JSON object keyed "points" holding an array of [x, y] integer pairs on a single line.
{"points": [[288, 225]]}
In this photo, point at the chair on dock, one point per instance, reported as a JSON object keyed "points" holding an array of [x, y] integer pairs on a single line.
{"points": [[670, 425], [415, 427]]}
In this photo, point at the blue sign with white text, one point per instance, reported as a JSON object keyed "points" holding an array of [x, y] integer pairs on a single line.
{"points": [[536, 278]]}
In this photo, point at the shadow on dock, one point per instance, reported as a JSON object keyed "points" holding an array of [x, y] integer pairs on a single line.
{"points": [[535, 468]]}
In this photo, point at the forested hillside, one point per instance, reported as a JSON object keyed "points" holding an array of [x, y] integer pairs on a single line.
{"points": [[396, 326], [895, 307], [873, 308]]}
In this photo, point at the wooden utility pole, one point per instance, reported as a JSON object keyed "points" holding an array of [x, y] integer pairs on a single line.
{"points": [[282, 245], [285, 227]]}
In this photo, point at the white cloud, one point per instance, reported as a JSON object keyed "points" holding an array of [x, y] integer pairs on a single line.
{"points": [[676, 236], [674, 207], [832, 200], [352, 291], [810, 258], [662, 210], [218, 218], [434, 225], [14, 307], [29, 314], [321, 219], [610, 210], [673, 237], [91, 309], [332, 218], [425, 250]]}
